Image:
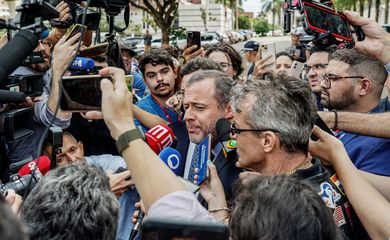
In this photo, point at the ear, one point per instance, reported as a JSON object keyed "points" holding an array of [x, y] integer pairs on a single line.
{"points": [[365, 87], [229, 113], [270, 141], [81, 146]]}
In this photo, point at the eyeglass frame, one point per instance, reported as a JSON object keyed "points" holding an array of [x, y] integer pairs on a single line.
{"points": [[315, 67], [228, 65], [328, 81], [237, 131]]}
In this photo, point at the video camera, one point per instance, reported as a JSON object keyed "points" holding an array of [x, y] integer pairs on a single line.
{"points": [[321, 20]]}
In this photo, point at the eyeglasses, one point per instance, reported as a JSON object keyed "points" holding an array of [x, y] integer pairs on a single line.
{"points": [[315, 67], [225, 66], [236, 131], [329, 78], [46, 43]]}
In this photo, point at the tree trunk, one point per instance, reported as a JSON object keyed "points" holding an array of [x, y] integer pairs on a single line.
{"points": [[387, 11], [361, 7], [377, 9], [355, 6], [369, 3], [165, 37]]}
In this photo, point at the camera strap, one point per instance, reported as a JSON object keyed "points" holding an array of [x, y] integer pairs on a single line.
{"points": [[126, 18]]}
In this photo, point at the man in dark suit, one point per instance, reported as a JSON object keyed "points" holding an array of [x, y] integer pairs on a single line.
{"points": [[206, 99]]}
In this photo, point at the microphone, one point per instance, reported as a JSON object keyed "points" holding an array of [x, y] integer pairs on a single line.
{"points": [[223, 129], [172, 158], [4, 24], [159, 137], [81, 63], [12, 97], [15, 51], [43, 166], [136, 226]]}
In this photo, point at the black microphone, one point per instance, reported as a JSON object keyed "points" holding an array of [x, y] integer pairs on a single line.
{"points": [[4, 24], [136, 226], [15, 51], [12, 97], [223, 129]]}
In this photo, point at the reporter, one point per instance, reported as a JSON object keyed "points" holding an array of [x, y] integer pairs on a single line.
{"points": [[374, 217]]}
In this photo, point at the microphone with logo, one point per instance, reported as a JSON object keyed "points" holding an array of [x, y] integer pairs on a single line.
{"points": [[223, 129], [26, 175], [81, 63], [160, 137]]}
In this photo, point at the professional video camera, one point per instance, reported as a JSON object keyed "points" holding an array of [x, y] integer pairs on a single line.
{"points": [[321, 20]]}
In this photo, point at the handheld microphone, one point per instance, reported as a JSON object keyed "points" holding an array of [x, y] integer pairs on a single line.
{"points": [[43, 166], [81, 63], [12, 97], [223, 129], [136, 226], [159, 137], [15, 51], [4, 24], [172, 158]]}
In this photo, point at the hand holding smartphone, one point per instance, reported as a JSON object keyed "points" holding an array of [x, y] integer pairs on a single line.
{"points": [[193, 38]]}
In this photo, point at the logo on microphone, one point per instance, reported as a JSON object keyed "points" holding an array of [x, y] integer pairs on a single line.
{"points": [[32, 166], [173, 161], [162, 134]]}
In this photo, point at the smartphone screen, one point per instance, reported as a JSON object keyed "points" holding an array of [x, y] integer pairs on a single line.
{"points": [[204, 155], [81, 93], [322, 20], [193, 38]]}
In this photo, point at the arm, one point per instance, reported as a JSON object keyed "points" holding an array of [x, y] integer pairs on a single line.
{"points": [[360, 123], [380, 183], [374, 217], [146, 168], [147, 119]]}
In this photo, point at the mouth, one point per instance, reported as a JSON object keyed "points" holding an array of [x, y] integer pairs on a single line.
{"points": [[161, 86], [324, 94]]}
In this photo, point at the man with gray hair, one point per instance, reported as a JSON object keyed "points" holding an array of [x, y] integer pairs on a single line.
{"points": [[71, 202], [353, 82], [272, 124]]}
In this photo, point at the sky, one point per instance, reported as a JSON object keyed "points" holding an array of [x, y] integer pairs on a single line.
{"points": [[251, 6]]}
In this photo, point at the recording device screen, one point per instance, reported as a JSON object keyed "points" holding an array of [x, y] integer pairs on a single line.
{"points": [[323, 20], [81, 93]]}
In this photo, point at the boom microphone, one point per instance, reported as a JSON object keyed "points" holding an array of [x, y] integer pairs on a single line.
{"points": [[15, 51], [159, 137], [4, 24], [81, 63], [172, 158], [43, 166], [12, 97]]}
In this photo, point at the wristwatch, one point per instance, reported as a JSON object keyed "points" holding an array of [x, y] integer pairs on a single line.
{"points": [[387, 67], [125, 138]]}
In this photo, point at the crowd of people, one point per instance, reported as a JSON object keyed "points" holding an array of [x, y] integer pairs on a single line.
{"points": [[284, 177]]}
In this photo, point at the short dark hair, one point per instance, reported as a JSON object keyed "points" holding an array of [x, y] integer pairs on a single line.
{"points": [[281, 207], [156, 56], [329, 49], [72, 202], [363, 65], [223, 84], [199, 64], [279, 54], [231, 53]]}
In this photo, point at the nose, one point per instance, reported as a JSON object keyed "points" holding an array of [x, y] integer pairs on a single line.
{"points": [[311, 73], [323, 85], [188, 115], [71, 158]]}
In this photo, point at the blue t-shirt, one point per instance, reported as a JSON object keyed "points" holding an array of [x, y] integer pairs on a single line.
{"points": [[150, 105], [138, 84], [370, 154], [384, 105]]}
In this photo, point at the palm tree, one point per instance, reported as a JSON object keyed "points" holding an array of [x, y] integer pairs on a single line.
{"points": [[273, 6]]}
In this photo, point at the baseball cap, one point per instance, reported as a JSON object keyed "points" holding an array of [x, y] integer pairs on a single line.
{"points": [[251, 46]]}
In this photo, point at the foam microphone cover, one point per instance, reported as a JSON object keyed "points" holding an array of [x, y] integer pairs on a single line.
{"points": [[12, 97], [172, 158], [81, 63], [15, 51], [43, 166], [223, 128], [159, 137]]}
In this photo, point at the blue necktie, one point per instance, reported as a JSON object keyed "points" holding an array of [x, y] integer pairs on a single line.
{"points": [[194, 164]]}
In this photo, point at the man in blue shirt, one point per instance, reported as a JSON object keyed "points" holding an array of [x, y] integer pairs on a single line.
{"points": [[159, 75], [353, 82], [138, 85]]}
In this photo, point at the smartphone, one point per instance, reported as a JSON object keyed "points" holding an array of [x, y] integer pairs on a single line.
{"points": [[296, 69], [97, 50], [321, 124], [193, 38], [322, 19], [129, 82], [204, 155], [166, 229], [76, 29], [81, 93], [269, 49]]}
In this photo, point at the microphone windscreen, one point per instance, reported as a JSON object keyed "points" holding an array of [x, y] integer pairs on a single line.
{"points": [[223, 129], [172, 158], [12, 97], [159, 137], [81, 63], [43, 166], [15, 51]]}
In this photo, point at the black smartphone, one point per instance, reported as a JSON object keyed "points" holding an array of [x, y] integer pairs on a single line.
{"points": [[81, 93], [321, 124], [193, 38], [323, 19], [165, 229]]}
